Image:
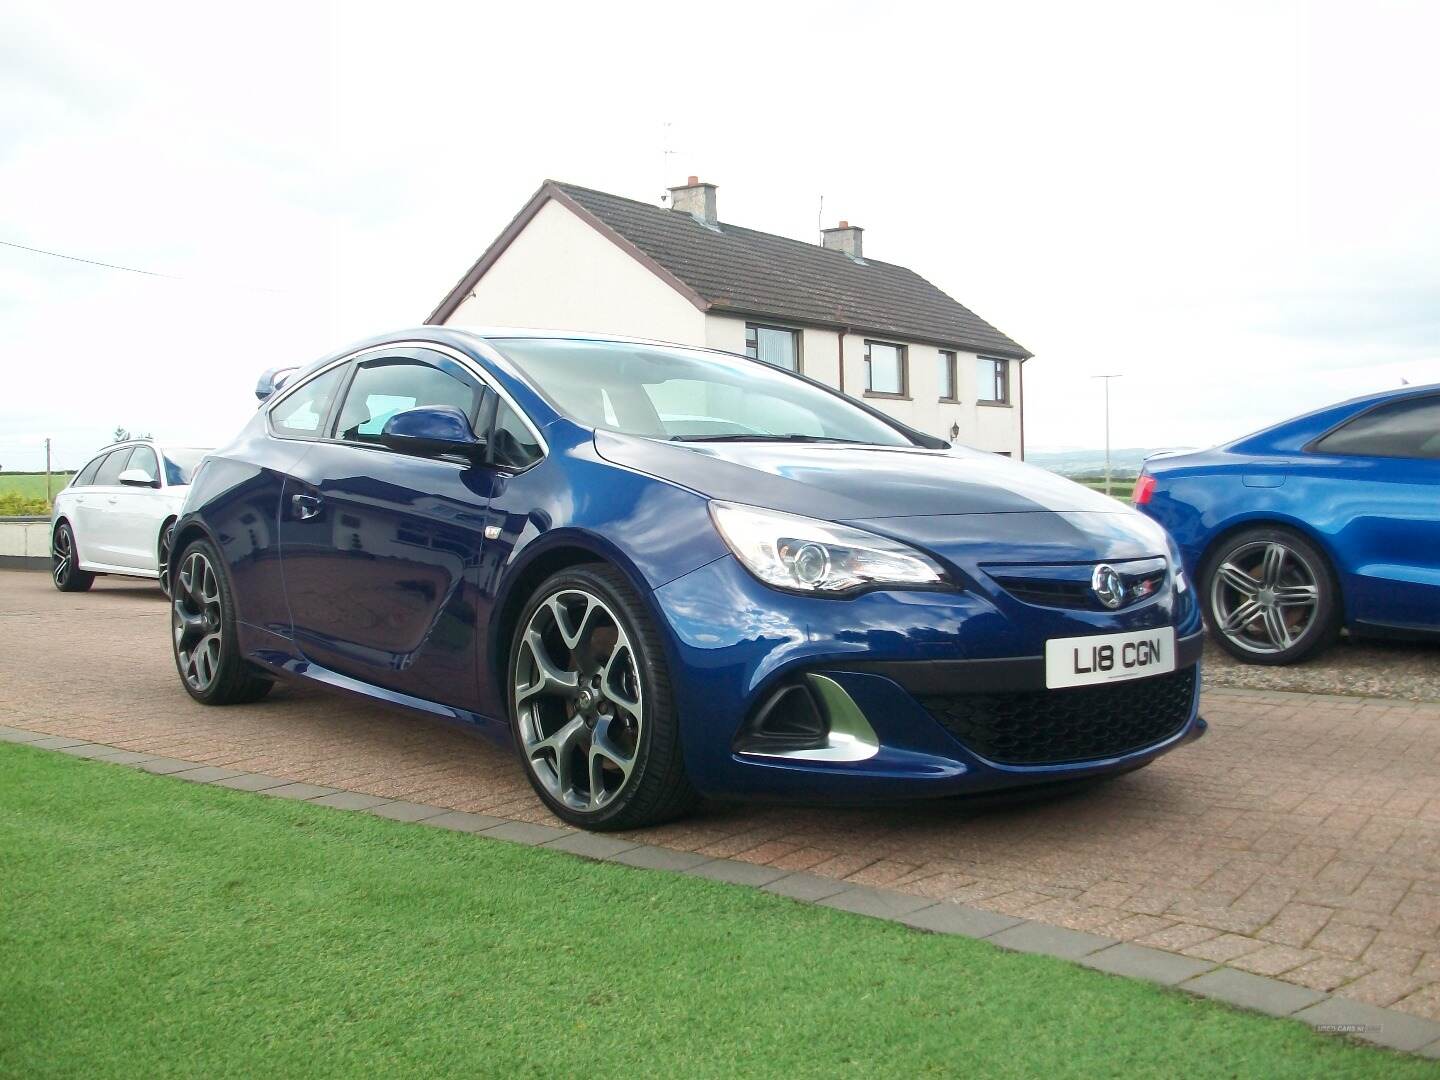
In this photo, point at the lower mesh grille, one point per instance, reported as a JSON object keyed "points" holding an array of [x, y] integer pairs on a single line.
{"points": [[1083, 723]]}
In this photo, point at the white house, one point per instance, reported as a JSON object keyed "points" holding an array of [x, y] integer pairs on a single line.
{"points": [[578, 259]]}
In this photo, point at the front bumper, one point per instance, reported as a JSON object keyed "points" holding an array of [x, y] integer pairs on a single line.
{"points": [[734, 643]]}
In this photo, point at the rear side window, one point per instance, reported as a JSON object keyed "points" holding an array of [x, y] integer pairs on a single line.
{"points": [[110, 469], [382, 388], [143, 458], [1406, 429], [512, 444], [86, 476], [301, 413]]}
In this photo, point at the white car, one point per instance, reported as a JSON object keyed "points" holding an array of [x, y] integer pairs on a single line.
{"points": [[114, 517]]}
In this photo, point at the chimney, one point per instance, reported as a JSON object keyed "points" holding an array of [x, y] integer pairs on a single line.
{"points": [[695, 199], [844, 237]]}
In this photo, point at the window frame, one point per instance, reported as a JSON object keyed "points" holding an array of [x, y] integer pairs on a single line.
{"points": [[337, 408], [1003, 370], [796, 335], [491, 389], [1314, 445], [904, 356], [96, 461], [159, 473], [127, 449], [950, 369]]}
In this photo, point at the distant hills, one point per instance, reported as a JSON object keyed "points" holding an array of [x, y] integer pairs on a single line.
{"points": [[1124, 461]]}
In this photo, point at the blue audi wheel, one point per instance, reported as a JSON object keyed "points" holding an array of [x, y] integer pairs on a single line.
{"points": [[590, 704]]}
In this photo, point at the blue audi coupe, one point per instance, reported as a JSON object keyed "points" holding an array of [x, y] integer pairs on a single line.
{"points": [[1325, 521], [667, 572]]}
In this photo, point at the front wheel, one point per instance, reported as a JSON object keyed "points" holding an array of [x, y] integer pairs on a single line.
{"points": [[590, 705], [202, 623], [65, 569], [1270, 597]]}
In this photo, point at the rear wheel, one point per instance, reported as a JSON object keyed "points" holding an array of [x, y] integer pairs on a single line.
{"points": [[162, 555], [590, 705], [202, 622], [1270, 597], [65, 569]]}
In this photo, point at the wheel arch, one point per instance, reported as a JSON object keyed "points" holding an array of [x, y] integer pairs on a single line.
{"points": [[538, 562], [187, 532], [1236, 526]]}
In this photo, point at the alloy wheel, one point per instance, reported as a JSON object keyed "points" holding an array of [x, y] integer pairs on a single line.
{"points": [[62, 556], [197, 619], [167, 538], [579, 700], [1265, 596]]}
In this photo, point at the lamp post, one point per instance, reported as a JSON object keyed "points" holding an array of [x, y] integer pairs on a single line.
{"points": [[1107, 379]]}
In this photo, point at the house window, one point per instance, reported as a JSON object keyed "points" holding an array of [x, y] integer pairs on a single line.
{"points": [[993, 380], [948, 387], [885, 372], [773, 345]]}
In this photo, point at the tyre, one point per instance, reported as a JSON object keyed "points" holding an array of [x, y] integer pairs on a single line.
{"points": [[590, 704], [202, 621], [65, 569], [162, 555], [1270, 597]]}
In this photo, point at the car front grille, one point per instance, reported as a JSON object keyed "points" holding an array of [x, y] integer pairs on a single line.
{"points": [[1068, 586], [1082, 723]]}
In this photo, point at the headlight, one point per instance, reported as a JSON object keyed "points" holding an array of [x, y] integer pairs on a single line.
{"points": [[805, 555]]}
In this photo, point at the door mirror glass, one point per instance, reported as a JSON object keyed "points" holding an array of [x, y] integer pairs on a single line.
{"points": [[431, 430], [138, 478]]}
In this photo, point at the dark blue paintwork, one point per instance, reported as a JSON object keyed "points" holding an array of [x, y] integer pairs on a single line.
{"points": [[369, 570], [1376, 518]]}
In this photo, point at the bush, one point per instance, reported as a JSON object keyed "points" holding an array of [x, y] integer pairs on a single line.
{"points": [[13, 504]]}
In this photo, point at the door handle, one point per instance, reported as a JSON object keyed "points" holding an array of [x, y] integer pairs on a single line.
{"points": [[305, 506], [113, 499]]}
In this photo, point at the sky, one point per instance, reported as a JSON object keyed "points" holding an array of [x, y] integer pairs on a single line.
{"points": [[1235, 207]]}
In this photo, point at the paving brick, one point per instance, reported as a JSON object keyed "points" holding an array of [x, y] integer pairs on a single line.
{"points": [[591, 845], [1152, 965], [659, 858], [803, 886], [206, 774], [879, 903], [350, 800], [1033, 937], [523, 832], [461, 821], [736, 872], [959, 919], [252, 782], [164, 766], [400, 810], [1385, 1027], [1253, 991], [299, 790]]}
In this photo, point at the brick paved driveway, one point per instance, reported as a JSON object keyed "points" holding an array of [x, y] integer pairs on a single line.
{"points": [[1300, 838]]}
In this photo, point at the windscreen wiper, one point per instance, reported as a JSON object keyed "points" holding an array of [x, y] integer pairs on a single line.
{"points": [[759, 437]]}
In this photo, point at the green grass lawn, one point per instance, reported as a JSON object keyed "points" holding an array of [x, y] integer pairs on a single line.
{"points": [[153, 927]]}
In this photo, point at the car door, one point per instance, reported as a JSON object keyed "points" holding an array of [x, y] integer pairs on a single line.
{"points": [[96, 535], [379, 550], [135, 512], [1383, 497]]}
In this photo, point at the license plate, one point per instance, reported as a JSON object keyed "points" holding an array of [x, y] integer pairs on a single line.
{"points": [[1101, 658]]}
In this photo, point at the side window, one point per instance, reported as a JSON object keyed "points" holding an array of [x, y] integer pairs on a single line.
{"points": [[512, 444], [144, 458], [382, 388], [110, 470], [86, 476], [300, 414], [1408, 429]]}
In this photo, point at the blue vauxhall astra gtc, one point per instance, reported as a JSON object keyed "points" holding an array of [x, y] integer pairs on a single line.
{"points": [[666, 572], [1330, 519]]}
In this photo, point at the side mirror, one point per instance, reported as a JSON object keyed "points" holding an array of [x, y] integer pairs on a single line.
{"points": [[138, 478], [273, 381], [430, 430]]}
